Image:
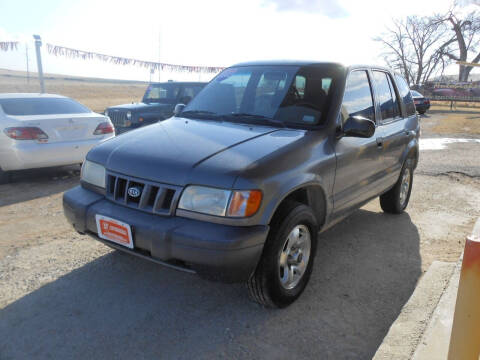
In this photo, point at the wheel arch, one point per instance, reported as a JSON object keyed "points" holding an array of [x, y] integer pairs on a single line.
{"points": [[412, 151], [310, 194]]}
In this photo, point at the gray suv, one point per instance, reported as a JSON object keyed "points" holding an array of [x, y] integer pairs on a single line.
{"points": [[237, 185]]}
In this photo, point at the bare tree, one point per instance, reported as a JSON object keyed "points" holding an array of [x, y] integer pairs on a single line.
{"points": [[465, 38], [397, 50], [415, 47]]}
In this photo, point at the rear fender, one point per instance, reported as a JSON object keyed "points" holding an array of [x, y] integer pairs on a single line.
{"points": [[411, 151]]}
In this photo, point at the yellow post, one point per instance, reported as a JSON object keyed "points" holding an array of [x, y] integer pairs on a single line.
{"points": [[465, 339]]}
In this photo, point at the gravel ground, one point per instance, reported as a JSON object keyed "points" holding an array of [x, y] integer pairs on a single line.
{"points": [[66, 296]]}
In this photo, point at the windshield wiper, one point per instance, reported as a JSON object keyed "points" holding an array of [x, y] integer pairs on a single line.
{"points": [[199, 113], [250, 117]]}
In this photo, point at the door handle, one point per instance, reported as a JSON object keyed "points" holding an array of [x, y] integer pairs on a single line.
{"points": [[380, 142]]}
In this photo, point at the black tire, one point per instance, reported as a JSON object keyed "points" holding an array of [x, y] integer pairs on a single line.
{"points": [[5, 177], [422, 112], [391, 202], [265, 286]]}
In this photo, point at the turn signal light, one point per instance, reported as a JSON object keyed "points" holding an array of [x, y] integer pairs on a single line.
{"points": [[244, 203], [25, 133], [104, 128]]}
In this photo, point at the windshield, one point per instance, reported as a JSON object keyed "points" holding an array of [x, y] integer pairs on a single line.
{"points": [[42, 106], [416, 93], [284, 94], [162, 93]]}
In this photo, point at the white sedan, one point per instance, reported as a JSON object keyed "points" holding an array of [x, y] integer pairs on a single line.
{"points": [[43, 130]]}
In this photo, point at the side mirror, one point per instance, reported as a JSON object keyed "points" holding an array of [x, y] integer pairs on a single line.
{"points": [[358, 126], [178, 109]]}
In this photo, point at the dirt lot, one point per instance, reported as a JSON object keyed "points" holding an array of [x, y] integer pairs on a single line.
{"points": [[97, 94], [66, 296]]}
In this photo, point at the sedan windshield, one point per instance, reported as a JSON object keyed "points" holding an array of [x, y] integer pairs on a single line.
{"points": [[279, 95]]}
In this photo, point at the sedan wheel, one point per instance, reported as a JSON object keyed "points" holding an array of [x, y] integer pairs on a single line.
{"points": [[4, 177]]}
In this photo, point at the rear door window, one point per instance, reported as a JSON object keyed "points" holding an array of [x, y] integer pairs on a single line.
{"points": [[163, 93], [189, 92], [192, 90], [383, 92], [405, 95], [42, 106], [358, 100]]}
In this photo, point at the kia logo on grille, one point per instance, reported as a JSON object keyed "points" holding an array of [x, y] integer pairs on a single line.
{"points": [[134, 192]]}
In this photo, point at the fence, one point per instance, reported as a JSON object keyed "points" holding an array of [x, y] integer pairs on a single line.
{"points": [[437, 91]]}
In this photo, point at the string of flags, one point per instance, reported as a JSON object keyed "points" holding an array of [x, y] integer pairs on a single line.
{"points": [[155, 66], [8, 45]]}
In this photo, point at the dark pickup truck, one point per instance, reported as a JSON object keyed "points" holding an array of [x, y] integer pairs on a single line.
{"points": [[157, 104], [237, 186]]}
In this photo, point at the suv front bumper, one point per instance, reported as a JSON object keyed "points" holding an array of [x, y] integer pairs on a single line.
{"points": [[214, 251]]}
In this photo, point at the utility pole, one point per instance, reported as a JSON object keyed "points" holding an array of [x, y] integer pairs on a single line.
{"points": [[38, 44], [28, 71]]}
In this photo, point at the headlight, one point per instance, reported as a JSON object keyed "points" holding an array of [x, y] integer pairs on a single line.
{"points": [[129, 115], [220, 202], [205, 200], [93, 173], [105, 112]]}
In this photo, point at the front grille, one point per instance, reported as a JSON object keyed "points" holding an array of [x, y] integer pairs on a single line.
{"points": [[155, 198], [118, 117]]}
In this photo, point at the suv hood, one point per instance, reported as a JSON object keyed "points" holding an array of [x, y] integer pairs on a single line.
{"points": [[139, 106], [174, 150]]}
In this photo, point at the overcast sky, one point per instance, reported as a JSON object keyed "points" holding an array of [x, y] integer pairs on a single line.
{"points": [[208, 32]]}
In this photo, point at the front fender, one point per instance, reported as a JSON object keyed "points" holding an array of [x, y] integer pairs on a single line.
{"points": [[320, 202]]}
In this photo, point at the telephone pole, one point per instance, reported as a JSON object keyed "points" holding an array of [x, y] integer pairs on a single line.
{"points": [[28, 71], [38, 44]]}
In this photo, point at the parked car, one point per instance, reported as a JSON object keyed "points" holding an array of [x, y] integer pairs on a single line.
{"points": [[422, 104], [157, 104], [238, 184], [43, 130]]}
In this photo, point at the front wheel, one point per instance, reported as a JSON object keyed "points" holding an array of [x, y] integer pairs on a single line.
{"points": [[396, 199], [287, 260]]}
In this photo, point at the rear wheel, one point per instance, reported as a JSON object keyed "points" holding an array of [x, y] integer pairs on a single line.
{"points": [[396, 199], [5, 177], [287, 259], [422, 112]]}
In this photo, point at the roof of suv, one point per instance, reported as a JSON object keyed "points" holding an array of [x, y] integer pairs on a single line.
{"points": [[285, 62], [307, 63]]}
